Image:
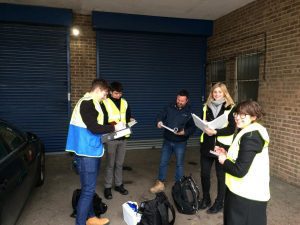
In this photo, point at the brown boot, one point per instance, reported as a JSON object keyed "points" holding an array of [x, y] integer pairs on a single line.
{"points": [[158, 187], [97, 221]]}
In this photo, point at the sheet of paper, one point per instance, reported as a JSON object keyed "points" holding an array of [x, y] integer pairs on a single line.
{"points": [[115, 135], [214, 153], [217, 123], [122, 133], [199, 123], [170, 129], [132, 123]]}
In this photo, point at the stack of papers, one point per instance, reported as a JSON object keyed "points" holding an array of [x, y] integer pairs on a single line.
{"points": [[117, 134], [217, 123]]}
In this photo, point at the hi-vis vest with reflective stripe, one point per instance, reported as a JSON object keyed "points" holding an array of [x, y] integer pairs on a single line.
{"points": [[80, 140], [255, 184], [226, 140], [114, 114]]}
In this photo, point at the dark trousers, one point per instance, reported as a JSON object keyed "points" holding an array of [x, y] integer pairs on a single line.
{"points": [[206, 164], [242, 211]]}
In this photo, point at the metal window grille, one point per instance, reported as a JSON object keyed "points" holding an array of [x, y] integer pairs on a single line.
{"points": [[247, 77], [217, 72]]}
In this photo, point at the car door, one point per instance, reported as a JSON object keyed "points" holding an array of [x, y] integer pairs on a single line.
{"points": [[4, 181], [13, 174]]}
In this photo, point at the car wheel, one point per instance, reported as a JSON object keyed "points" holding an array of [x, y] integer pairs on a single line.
{"points": [[41, 170]]}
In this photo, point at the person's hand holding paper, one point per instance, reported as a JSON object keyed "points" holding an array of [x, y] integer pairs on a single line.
{"points": [[210, 131], [132, 122], [220, 150], [159, 124], [221, 153], [180, 132], [120, 126]]}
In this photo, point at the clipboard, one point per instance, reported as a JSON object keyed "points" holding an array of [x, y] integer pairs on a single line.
{"points": [[115, 135]]}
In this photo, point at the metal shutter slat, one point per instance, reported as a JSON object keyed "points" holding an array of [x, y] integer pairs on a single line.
{"points": [[152, 68], [34, 80]]}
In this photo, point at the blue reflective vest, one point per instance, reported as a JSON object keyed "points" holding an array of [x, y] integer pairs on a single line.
{"points": [[80, 140]]}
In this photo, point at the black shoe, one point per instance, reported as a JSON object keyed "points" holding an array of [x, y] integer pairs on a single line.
{"points": [[121, 189], [204, 203], [217, 207], [107, 193]]}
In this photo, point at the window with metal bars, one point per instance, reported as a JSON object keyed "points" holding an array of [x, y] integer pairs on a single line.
{"points": [[247, 77], [217, 72]]}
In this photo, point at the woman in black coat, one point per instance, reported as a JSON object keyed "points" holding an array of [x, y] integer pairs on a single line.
{"points": [[246, 165], [219, 102]]}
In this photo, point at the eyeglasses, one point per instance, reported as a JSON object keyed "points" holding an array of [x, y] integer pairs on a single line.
{"points": [[241, 115], [117, 93]]}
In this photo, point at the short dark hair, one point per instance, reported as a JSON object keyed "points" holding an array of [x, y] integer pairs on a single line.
{"points": [[183, 92], [116, 86], [99, 83], [251, 108]]}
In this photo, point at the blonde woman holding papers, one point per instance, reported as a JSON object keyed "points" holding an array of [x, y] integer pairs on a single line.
{"points": [[218, 103]]}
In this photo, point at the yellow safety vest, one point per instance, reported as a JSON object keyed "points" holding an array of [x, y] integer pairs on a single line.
{"points": [[76, 116], [226, 140], [114, 114], [80, 140], [255, 184]]}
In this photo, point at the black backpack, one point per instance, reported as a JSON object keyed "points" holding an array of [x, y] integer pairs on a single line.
{"points": [[99, 206], [185, 194], [156, 211]]}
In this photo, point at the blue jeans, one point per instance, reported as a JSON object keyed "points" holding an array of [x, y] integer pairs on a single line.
{"points": [[168, 148], [88, 168]]}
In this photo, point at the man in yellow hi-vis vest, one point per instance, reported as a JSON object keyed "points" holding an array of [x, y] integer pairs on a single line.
{"points": [[115, 109], [84, 140]]}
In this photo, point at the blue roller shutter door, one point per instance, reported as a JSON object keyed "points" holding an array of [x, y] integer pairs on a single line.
{"points": [[34, 80], [152, 68]]}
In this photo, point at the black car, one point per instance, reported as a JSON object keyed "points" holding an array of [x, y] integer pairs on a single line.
{"points": [[22, 166]]}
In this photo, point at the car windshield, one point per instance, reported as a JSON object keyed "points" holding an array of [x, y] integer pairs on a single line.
{"points": [[10, 136], [3, 150]]}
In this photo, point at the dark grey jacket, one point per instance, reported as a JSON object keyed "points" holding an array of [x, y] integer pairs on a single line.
{"points": [[173, 117]]}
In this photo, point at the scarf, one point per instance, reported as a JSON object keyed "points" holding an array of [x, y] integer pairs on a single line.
{"points": [[216, 106]]}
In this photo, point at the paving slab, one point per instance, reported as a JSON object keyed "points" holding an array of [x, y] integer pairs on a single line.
{"points": [[51, 203]]}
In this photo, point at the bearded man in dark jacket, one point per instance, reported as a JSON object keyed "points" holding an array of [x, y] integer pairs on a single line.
{"points": [[179, 126]]}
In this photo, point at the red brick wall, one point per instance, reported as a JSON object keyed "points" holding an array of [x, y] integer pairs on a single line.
{"points": [[271, 27], [82, 57]]}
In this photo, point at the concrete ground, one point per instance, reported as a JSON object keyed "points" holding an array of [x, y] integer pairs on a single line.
{"points": [[51, 203]]}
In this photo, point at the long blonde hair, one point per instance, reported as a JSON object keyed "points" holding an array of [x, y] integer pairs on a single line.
{"points": [[227, 96]]}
